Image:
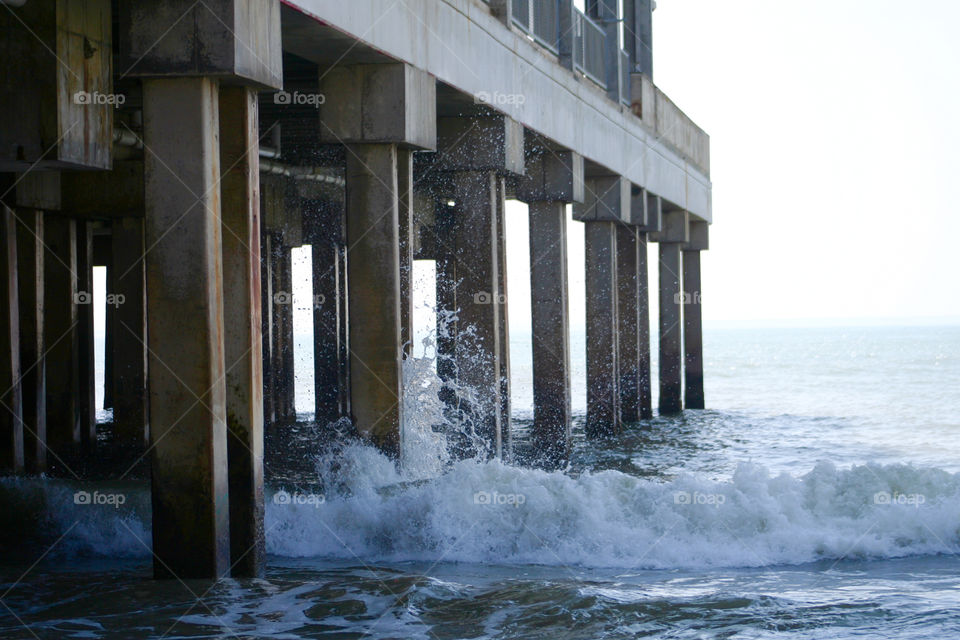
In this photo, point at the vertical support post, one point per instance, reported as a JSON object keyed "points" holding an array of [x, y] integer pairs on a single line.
{"points": [[405, 192], [643, 329], [240, 194], [129, 348], [188, 429], [328, 280], [671, 358], [603, 396], [266, 322], [692, 315], [61, 314], [281, 303], [628, 330], [32, 358], [477, 348], [87, 386], [373, 225], [503, 320], [287, 337], [11, 411], [550, 332]]}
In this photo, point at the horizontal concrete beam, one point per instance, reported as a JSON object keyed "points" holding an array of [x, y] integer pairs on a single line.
{"points": [[699, 236], [675, 228], [606, 198], [465, 46], [552, 176], [480, 144]]}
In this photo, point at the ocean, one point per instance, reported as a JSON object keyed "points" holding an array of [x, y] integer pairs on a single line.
{"points": [[817, 497]]}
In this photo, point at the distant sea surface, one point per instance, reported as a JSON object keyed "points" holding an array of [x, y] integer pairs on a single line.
{"points": [[817, 497]]}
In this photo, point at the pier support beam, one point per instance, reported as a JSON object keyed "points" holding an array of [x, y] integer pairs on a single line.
{"points": [[326, 236], [405, 193], [61, 333], [11, 411], [692, 318], [606, 206], [129, 327], [652, 225], [674, 234], [475, 154], [86, 384], [240, 195], [375, 111], [553, 179], [188, 430], [32, 358], [628, 329]]}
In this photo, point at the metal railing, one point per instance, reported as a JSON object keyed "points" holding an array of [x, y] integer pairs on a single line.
{"points": [[588, 41], [538, 18]]}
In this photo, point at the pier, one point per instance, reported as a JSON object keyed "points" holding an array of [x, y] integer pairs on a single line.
{"points": [[190, 147]]}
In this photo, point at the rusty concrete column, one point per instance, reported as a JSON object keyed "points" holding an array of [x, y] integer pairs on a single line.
{"points": [[373, 225], [86, 366], [692, 316], [188, 421], [675, 232], [61, 334], [628, 318], [11, 411], [326, 239], [240, 195], [129, 383], [33, 366]]}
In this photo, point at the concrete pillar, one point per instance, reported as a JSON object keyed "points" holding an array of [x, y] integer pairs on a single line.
{"points": [[86, 366], [603, 395], [188, 428], [628, 330], [645, 400], [11, 413], [129, 327], [240, 195], [405, 192], [287, 365], [552, 179], [281, 325], [61, 335], [550, 332], [503, 320], [374, 293], [103, 257], [266, 322], [692, 317], [32, 357], [328, 313], [675, 232]]}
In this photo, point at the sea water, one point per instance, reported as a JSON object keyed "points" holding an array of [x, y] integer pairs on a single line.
{"points": [[818, 497]]}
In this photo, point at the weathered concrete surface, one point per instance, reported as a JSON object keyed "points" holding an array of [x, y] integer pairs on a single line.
{"points": [[129, 328], [30, 253], [230, 39], [643, 328], [445, 37], [503, 321], [240, 219], [606, 198], [671, 352], [406, 216], [188, 429], [266, 306], [87, 382], [61, 314], [374, 293], [628, 312], [603, 396], [11, 411], [550, 326], [692, 332]]}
